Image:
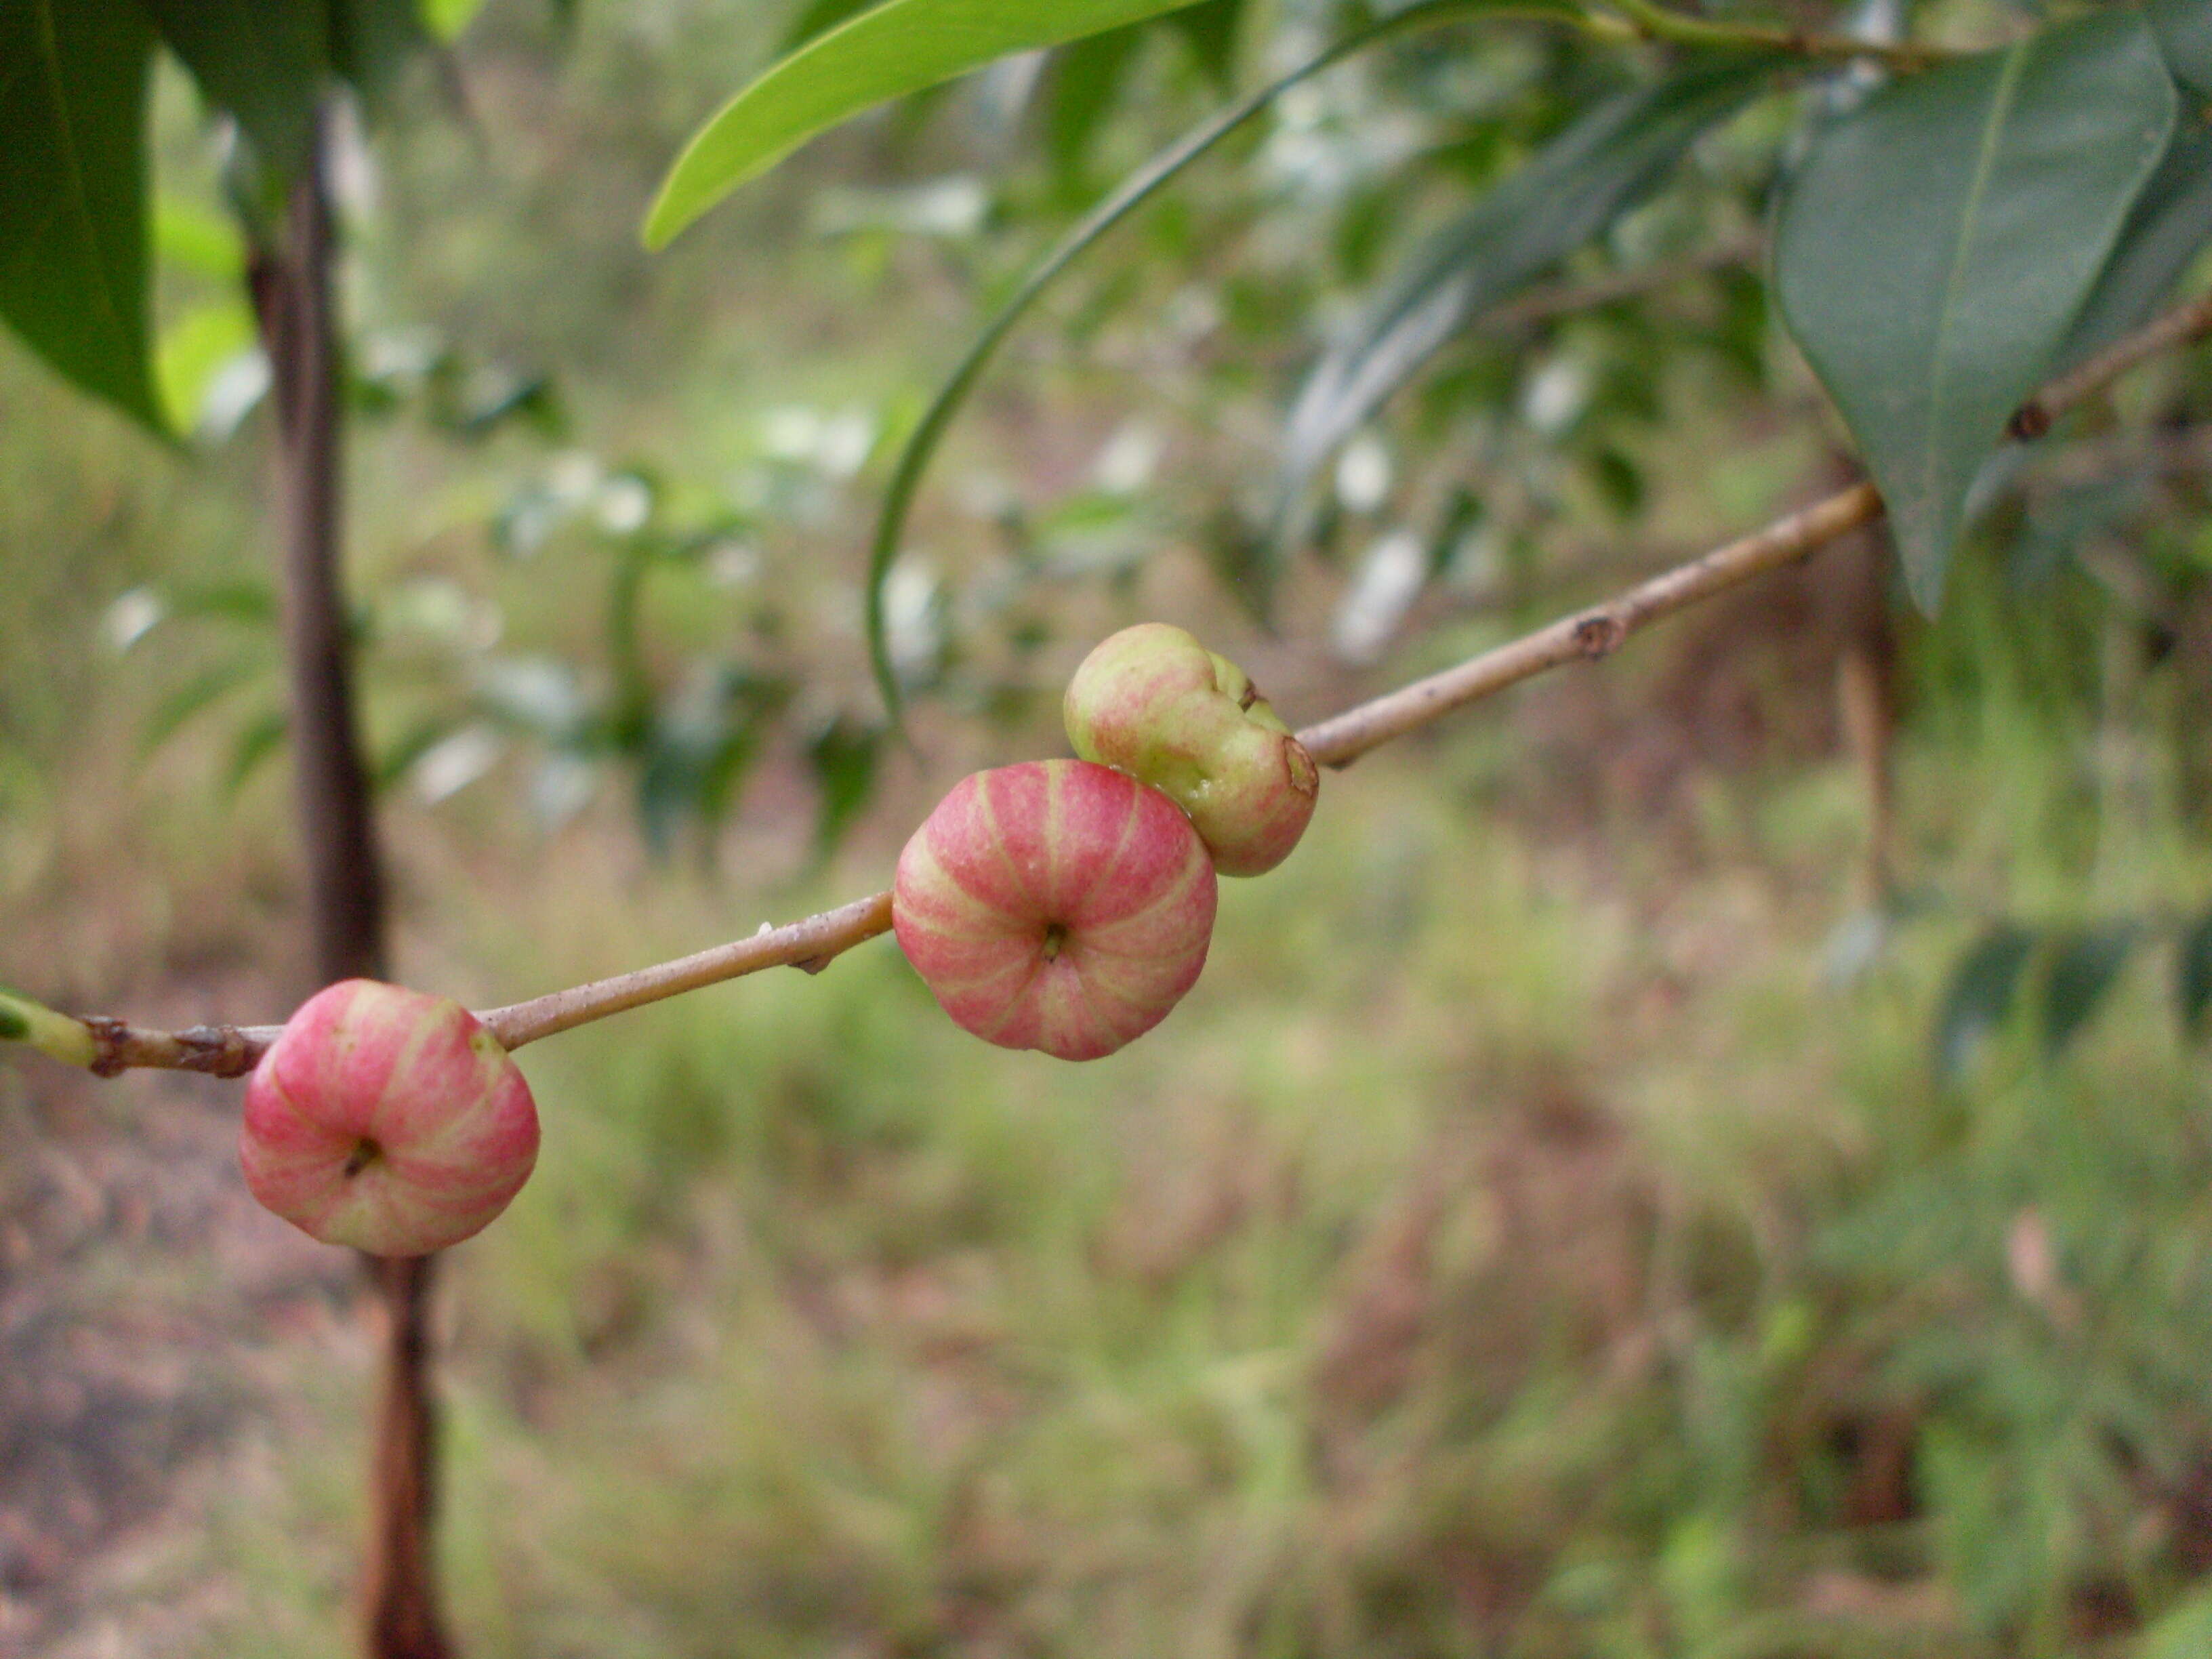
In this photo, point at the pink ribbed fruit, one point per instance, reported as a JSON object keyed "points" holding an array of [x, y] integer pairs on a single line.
{"points": [[387, 1120], [1055, 905]]}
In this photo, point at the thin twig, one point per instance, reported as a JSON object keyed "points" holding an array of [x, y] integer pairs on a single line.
{"points": [[1657, 22], [2178, 327], [811, 944], [1588, 634]]}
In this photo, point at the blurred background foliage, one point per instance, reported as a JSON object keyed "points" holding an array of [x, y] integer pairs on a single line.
{"points": [[1633, 1185]]}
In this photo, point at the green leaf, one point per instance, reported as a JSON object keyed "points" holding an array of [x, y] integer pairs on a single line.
{"points": [[448, 18], [73, 220], [2185, 32], [818, 17], [2192, 982], [2086, 965], [256, 742], [844, 757], [1124, 199], [262, 61], [1980, 998], [193, 349], [899, 47], [372, 41], [1542, 211], [1084, 83], [1210, 30], [1933, 249], [2171, 221]]}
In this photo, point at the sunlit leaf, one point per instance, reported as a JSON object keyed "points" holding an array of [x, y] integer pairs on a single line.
{"points": [[1933, 250], [1981, 996], [899, 47], [448, 18], [194, 350], [2084, 969], [1540, 212], [73, 220]]}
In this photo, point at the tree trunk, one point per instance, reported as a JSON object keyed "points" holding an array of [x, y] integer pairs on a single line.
{"points": [[291, 287]]}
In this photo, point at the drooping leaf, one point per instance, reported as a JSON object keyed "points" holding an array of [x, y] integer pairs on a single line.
{"points": [[261, 61], [2168, 227], [899, 47], [2085, 968], [1542, 211], [73, 219], [1933, 250], [1980, 998], [2184, 31], [1124, 199], [2192, 983]]}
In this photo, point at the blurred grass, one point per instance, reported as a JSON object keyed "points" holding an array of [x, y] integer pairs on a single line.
{"points": [[1525, 1241]]}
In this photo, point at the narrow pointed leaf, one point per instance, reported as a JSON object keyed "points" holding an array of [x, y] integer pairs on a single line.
{"points": [[372, 41], [1981, 996], [1554, 203], [261, 61], [1934, 247], [899, 47], [2086, 967], [73, 217]]}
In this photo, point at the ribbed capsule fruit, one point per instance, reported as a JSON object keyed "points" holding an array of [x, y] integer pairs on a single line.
{"points": [[387, 1120], [1055, 905]]}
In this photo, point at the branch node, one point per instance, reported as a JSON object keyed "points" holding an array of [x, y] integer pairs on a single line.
{"points": [[2029, 422], [110, 1038], [1599, 634]]}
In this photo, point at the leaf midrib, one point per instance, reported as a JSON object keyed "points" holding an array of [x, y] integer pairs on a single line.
{"points": [[80, 208], [1985, 165]]}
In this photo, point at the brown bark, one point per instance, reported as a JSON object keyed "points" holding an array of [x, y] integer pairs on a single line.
{"points": [[291, 289]]}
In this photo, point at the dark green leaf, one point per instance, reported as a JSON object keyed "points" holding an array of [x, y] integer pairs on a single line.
{"points": [[1084, 83], [373, 42], [900, 46], [817, 17], [1542, 211], [1934, 247], [844, 761], [2085, 968], [1210, 29], [2193, 984], [73, 220], [1980, 998], [1126, 198], [2184, 31], [2167, 227], [262, 61]]}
